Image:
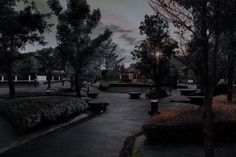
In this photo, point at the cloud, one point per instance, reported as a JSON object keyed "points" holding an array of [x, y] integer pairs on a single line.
{"points": [[114, 28], [124, 53], [118, 29], [125, 37], [129, 38]]}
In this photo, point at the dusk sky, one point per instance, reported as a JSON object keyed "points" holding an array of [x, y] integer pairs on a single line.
{"points": [[123, 17]]}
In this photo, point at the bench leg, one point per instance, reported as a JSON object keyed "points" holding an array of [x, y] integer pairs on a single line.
{"points": [[103, 108]]}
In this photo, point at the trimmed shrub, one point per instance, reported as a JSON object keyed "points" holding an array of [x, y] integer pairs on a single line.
{"points": [[28, 114], [186, 125], [153, 94], [104, 86]]}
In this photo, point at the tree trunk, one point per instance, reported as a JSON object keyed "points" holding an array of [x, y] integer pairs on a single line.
{"points": [[208, 84], [49, 81], [208, 124], [10, 84], [230, 77], [156, 76], [104, 74], [78, 84], [72, 81], [157, 84]]}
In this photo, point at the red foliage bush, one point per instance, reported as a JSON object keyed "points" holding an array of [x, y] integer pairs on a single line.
{"points": [[186, 124]]}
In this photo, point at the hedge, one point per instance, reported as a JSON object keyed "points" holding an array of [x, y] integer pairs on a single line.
{"points": [[186, 124], [28, 114]]}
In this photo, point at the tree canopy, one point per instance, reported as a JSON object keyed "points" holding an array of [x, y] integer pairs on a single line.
{"points": [[76, 23], [18, 27], [154, 52], [203, 27]]}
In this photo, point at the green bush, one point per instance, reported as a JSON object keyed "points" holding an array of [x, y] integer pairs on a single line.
{"points": [[27, 114]]}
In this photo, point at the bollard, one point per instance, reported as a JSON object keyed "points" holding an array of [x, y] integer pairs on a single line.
{"points": [[47, 91], [154, 107]]}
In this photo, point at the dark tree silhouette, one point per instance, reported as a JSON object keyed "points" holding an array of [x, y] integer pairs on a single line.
{"points": [[109, 57], [18, 27], [154, 52], [202, 27], [74, 29], [49, 60]]}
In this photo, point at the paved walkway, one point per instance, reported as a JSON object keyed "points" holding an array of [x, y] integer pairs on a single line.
{"points": [[100, 137]]}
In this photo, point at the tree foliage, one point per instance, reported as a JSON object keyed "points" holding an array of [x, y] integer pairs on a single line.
{"points": [[109, 58], [206, 29], [73, 34], [154, 52], [18, 27], [49, 60]]}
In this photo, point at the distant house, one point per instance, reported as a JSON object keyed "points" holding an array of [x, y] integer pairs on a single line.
{"points": [[186, 74], [131, 75]]}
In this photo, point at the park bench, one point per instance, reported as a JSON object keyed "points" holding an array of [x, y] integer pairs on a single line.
{"points": [[92, 94], [135, 95], [98, 105], [187, 92], [197, 100]]}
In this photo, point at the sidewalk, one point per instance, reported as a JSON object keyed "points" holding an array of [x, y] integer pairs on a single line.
{"points": [[102, 136], [10, 140]]}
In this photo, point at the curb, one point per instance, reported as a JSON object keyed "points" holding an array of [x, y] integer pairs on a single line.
{"points": [[46, 132], [128, 146]]}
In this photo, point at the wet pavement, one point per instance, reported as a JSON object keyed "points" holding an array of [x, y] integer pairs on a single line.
{"points": [[102, 136]]}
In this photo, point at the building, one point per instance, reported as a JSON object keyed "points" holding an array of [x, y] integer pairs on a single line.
{"points": [[131, 75]]}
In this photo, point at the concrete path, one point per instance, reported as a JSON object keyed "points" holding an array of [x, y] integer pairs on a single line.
{"points": [[100, 137]]}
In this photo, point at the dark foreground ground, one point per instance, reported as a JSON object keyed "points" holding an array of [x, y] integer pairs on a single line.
{"points": [[100, 137], [104, 136]]}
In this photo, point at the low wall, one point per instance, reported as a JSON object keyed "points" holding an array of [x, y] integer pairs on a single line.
{"points": [[4, 84], [125, 88]]}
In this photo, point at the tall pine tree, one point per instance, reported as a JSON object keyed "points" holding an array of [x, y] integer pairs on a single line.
{"points": [[76, 23]]}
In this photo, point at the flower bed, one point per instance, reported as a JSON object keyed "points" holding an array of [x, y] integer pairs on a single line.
{"points": [[28, 114], [186, 125]]}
